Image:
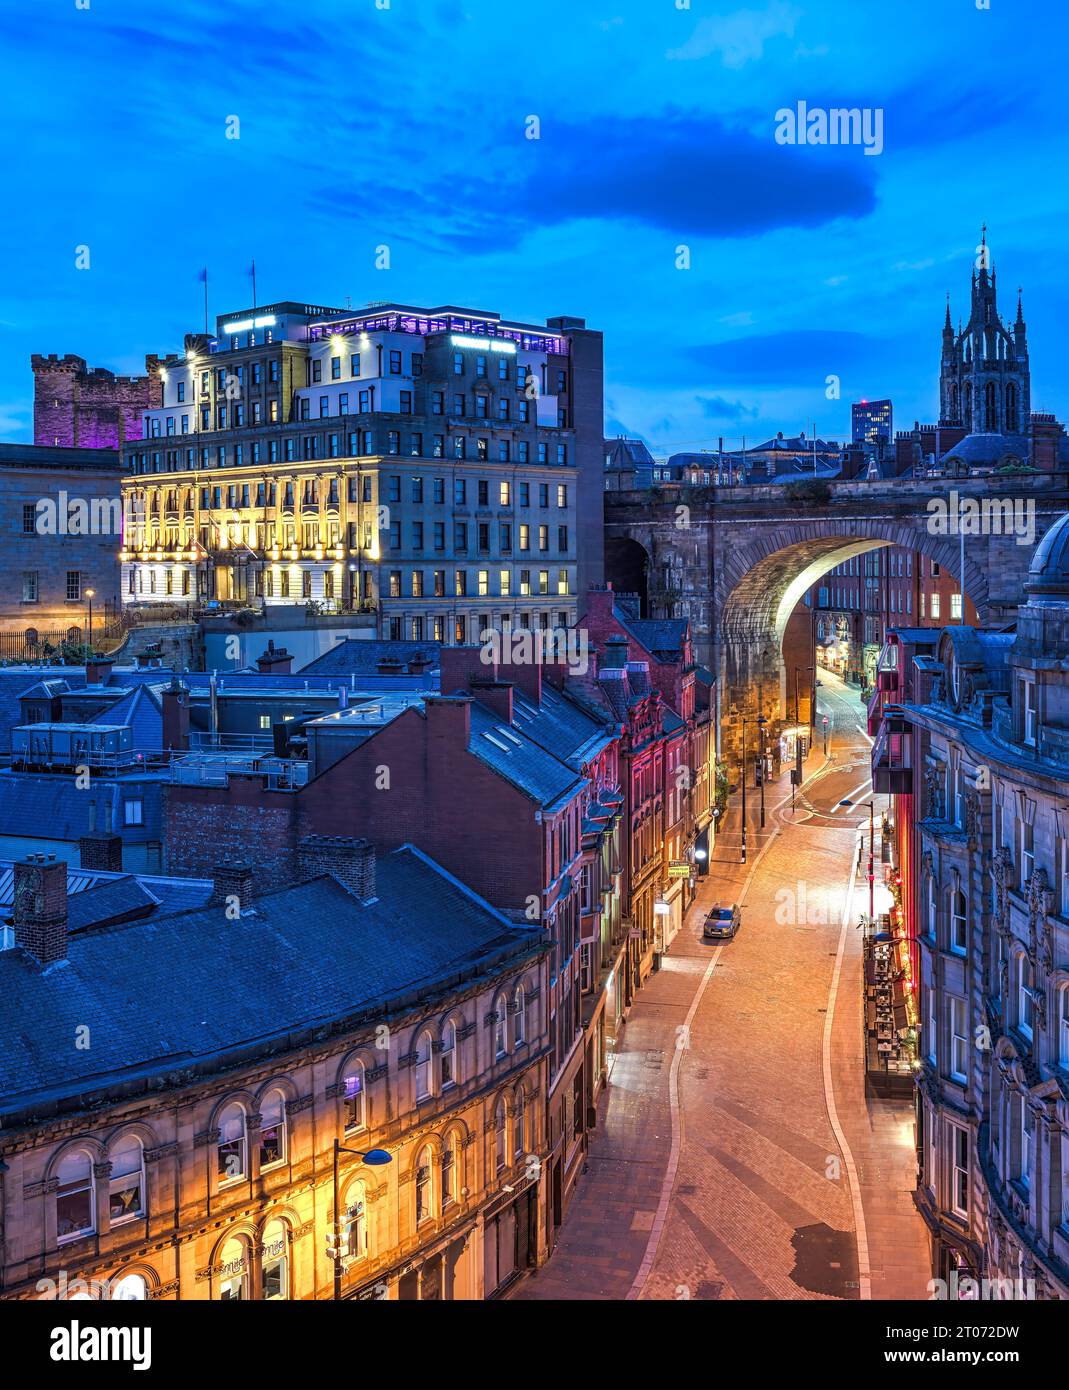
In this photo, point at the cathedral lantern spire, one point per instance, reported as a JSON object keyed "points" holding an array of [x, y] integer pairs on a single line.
{"points": [[984, 379]]}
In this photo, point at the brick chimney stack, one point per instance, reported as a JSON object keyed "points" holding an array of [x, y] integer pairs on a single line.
{"points": [[175, 702], [351, 861], [232, 880], [496, 696], [98, 669], [101, 850], [275, 661], [39, 911]]}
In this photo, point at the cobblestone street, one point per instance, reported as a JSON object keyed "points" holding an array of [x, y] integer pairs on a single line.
{"points": [[736, 1154]]}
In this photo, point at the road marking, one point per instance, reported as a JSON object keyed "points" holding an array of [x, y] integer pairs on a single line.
{"points": [[849, 797], [860, 1229], [669, 1181]]}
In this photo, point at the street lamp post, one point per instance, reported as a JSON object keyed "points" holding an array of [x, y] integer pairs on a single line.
{"points": [[374, 1158], [872, 877], [761, 722], [89, 598], [742, 779]]}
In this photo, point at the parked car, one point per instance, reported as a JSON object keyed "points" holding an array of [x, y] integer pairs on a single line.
{"points": [[722, 923]]}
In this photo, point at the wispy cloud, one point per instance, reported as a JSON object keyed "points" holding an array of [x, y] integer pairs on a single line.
{"points": [[739, 38]]}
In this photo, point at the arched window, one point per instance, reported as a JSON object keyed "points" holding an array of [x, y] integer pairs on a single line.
{"points": [[449, 1170], [519, 1117], [423, 1065], [234, 1270], [126, 1187], [450, 1071], [355, 1106], [232, 1153], [959, 926], [500, 1026], [990, 407], [130, 1288], [1011, 409], [423, 1185], [274, 1264], [500, 1136], [356, 1221], [1063, 1029], [1024, 996], [272, 1129], [75, 1196], [519, 1022]]}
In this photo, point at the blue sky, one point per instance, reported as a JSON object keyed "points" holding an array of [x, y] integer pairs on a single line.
{"points": [[406, 126]]}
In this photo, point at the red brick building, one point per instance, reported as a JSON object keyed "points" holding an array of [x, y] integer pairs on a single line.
{"points": [[510, 784], [647, 677]]}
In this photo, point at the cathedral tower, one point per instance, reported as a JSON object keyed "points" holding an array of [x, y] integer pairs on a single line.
{"points": [[984, 381]]}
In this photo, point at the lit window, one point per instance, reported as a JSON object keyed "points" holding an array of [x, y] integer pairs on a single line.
{"points": [[450, 1073], [354, 1099], [449, 1170], [126, 1185], [423, 1185], [232, 1141], [274, 1281], [75, 1196], [500, 1137], [234, 1271], [272, 1130], [356, 1223]]}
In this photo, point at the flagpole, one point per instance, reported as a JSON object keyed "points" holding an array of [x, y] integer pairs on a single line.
{"points": [[254, 286]]}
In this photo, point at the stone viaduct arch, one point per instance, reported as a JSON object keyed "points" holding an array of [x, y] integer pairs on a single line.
{"points": [[736, 562]]}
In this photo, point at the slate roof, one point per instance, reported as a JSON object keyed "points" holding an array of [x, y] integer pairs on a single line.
{"points": [[626, 454], [15, 682], [142, 710], [535, 771], [50, 807], [359, 657], [183, 992], [112, 900], [660, 636], [560, 726], [989, 447]]}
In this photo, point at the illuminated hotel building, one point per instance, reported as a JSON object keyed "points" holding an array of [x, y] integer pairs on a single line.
{"points": [[441, 467]]}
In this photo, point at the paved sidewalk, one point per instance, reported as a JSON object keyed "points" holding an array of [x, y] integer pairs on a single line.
{"points": [[761, 1205]]}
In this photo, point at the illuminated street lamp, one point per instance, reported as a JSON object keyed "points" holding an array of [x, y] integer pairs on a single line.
{"points": [[374, 1158], [89, 593]]}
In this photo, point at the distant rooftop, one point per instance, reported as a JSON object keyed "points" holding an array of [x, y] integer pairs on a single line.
{"points": [[50, 456]]}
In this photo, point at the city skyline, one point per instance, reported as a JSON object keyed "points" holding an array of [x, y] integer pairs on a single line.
{"points": [[805, 263]]}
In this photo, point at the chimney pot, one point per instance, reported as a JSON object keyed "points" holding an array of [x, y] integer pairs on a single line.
{"points": [[232, 880], [351, 861], [39, 911]]}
